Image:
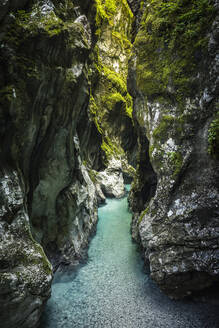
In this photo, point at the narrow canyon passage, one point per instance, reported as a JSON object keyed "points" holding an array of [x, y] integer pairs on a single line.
{"points": [[112, 290]]}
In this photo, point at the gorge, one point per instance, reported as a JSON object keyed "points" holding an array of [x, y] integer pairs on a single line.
{"points": [[112, 289], [92, 94]]}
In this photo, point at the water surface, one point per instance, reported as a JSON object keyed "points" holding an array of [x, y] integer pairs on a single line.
{"points": [[112, 289]]}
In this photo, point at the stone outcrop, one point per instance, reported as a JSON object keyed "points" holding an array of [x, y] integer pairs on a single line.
{"points": [[111, 180], [176, 106]]}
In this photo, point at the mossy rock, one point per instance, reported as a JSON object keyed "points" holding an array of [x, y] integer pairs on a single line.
{"points": [[213, 137], [173, 38]]}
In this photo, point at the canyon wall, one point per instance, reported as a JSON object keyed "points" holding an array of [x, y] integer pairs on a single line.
{"points": [[47, 196], [62, 147], [174, 82]]}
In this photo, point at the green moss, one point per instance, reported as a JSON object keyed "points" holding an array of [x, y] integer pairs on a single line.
{"points": [[93, 175], [93, 108], [110, 102], [115, 100], [106, 10], [114, 77], [151, 149], [33, 259], [117, 97], [163, 129], [176, 161], [143, 214], [27, 260], [171, 34], [123, 40], [35, 22], [213, 137], [111, 149], [107, 149], [111, 96], [101, 15], [50, 23], [114, 90], [21, 35], [46, 264], [171, 126]]}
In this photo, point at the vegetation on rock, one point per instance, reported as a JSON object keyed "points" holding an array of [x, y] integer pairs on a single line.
{"points": [[110, 102], [213, 137], [176, 75], [170, 43]]}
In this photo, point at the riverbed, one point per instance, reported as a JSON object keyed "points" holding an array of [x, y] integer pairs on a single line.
{"points": [[112, 289]]}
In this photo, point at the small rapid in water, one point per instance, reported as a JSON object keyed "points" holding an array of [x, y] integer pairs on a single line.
{"points": [[113, 291]]}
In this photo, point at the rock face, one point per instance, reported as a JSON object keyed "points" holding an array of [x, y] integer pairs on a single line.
{"points": [[46, 192], [110, 103], [176, 106], [25, 273]]}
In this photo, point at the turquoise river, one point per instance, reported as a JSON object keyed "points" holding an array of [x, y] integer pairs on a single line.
{"points": [[112, 290]]}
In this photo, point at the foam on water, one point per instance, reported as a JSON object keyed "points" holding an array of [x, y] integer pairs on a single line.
{"points": [[112, 289]]}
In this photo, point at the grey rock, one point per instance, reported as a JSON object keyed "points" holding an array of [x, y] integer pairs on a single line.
{"points": [[111, 179], [25, 272]]}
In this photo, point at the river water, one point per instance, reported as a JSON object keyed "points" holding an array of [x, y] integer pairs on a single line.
{"points": [[112, 290]]}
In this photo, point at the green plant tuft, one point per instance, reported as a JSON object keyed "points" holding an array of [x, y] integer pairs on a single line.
{"points": [[213, 137]]}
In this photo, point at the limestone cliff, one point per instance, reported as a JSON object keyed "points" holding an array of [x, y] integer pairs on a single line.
{"points": [[46, 191], [173, 79]]}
